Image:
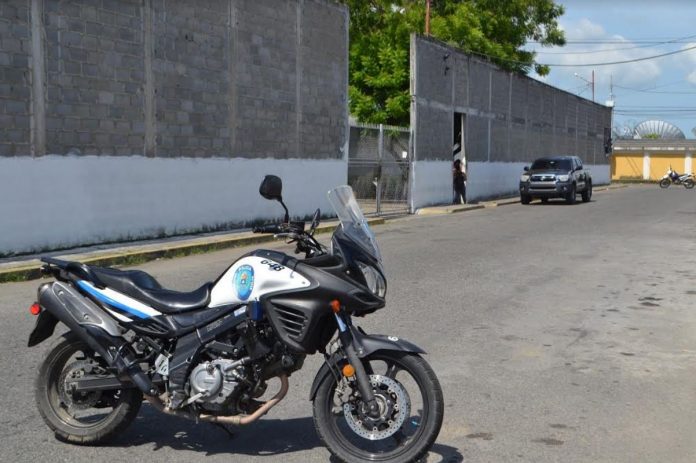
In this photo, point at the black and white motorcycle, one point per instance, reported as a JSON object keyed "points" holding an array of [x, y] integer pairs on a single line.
{"points": [[678, 179], [209, 354]]}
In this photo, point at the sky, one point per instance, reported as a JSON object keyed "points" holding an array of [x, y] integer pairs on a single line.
{"points": [[662, 88]]}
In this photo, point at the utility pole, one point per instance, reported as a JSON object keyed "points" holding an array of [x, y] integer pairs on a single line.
{"points": [[593, 86], [427, 17]]}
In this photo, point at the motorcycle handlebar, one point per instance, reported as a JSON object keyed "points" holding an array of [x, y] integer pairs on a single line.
{"points": [[270, 228]]}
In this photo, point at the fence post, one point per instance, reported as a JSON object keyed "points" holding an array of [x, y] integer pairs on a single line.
{"points": [[378, 179]]}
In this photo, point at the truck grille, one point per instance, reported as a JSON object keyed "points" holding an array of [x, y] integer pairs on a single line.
{"points": [[543, 178]]}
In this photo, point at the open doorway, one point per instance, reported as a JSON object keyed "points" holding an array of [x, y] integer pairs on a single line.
{"points": [[459, 170]]}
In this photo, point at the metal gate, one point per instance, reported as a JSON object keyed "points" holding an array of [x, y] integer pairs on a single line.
{"points": [[379, 161]]}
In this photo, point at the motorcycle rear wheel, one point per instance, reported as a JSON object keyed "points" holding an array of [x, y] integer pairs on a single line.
{"points": [[405, 434], [665, 182], [688, 184], [80, 418]]}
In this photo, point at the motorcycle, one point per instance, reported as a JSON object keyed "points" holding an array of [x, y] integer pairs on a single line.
{"points": [[209, 354], [672, 177]]}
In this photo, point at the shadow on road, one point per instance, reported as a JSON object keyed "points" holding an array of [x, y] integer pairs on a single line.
{"points": [[265, 437]]}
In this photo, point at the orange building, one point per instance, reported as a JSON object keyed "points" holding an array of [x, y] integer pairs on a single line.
{"points": [[650, 159]]}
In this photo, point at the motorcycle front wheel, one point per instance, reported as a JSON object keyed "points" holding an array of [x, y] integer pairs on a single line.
{"points": [[411, 408], [665, 182]]}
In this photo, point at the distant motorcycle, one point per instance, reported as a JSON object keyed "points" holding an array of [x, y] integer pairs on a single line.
{"points": [[672, 177]]}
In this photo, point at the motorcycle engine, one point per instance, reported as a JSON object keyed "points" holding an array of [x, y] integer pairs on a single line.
{"points": [[215, 381]]}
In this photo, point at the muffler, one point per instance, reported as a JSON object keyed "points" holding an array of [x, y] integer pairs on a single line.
{"points": [[92, 325]]}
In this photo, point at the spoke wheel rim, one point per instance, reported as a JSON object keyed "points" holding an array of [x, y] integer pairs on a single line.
{"points": [[366, 448], [78, 409]]}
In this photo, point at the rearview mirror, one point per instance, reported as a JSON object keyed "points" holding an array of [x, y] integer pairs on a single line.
{"points": [[272, 188], [526, 168]]}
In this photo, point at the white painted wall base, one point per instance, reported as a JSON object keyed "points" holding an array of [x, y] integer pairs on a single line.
{"points": [[486, 180], [601, 173], [61, 201], [431, 183]]}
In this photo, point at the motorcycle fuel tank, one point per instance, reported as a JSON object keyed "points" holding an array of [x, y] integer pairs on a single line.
{"points": [[253, 276]]}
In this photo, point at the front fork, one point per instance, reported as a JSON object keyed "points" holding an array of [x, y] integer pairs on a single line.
{"points": [[346, 338]]}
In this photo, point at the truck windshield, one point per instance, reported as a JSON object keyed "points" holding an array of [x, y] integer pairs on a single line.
{"points": [[552, 164]]}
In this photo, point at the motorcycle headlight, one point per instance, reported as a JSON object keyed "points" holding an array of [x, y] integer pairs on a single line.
{"points": [[374, 280], [562, 178], [524, 178]]}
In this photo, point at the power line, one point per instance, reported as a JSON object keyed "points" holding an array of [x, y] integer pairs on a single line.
{"points": [[655, 92], [677, 40], [611, 42], [610, 63]]}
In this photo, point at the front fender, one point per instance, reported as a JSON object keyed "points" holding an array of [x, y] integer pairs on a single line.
{"points": [[365, 344]]}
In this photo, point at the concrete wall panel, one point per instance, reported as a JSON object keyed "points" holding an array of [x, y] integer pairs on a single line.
{"points": [[15, 78], [510, 119]]}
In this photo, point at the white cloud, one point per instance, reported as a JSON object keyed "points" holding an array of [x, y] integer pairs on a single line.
{"points": [[691, 78], [632, 74]]}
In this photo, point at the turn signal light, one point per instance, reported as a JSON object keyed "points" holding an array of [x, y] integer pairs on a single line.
{"points": [[35, 309], [335, 305], [348, 371]]}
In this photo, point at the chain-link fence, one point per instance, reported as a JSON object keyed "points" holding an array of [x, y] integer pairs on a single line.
{"points": [[378, 167]]}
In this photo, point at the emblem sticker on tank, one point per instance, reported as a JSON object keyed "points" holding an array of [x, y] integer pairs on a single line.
{"points": [[244, 281]]}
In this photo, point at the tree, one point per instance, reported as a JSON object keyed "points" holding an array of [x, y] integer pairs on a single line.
{"points": [[379, 44]]}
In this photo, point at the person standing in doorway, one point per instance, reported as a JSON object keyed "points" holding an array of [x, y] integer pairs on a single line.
{"points": [[458, 183]]}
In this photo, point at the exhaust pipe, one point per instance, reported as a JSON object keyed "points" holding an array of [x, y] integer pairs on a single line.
{"points": [[234, 419], [95, 328]]}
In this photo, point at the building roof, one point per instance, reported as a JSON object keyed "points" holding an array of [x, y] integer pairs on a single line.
{"points": [[645, 144]]}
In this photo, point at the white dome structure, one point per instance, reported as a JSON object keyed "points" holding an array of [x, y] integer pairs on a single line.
{"points": [[658, 129]]}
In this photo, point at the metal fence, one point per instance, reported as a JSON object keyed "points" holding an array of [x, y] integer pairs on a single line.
{"points": [[379, 161]]}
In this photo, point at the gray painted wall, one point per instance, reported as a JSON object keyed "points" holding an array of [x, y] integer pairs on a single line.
{"points": [[174, 78], [129, 119], [509, 119]]}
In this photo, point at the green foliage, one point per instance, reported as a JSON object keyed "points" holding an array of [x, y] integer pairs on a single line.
{"points": [[652, 136], [379, 44]]}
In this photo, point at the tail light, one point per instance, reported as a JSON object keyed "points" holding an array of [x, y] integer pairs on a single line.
{"points": [[35, 309]]}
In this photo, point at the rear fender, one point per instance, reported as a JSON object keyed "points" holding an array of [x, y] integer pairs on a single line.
{"points": [[45, 325], [365, 345]]}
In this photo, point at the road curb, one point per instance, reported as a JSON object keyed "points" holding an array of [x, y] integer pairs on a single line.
{"points": [[441, 210], [30, 270]]}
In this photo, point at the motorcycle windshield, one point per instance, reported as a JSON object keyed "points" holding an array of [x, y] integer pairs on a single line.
{"points": [[353, 221]]}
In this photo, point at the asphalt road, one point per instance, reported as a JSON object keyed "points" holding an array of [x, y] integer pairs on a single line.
{"points": [[559, 334]]}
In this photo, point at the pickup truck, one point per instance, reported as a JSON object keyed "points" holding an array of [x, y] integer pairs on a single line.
{"points": [[555, 177]]}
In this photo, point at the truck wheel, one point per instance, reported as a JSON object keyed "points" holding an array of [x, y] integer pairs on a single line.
{"points": [[525, 199], [570, 199], [587, 194]]}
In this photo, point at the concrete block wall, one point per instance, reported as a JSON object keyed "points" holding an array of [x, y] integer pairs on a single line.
{"points": [[86, 83], [94, 78], [510, 120], [15, 78]]}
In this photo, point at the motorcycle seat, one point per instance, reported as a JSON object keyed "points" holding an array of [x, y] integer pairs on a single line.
{"points": [[146, 289]]}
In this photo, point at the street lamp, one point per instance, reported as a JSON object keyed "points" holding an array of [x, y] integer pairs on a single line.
{"points": [[589, 82]]}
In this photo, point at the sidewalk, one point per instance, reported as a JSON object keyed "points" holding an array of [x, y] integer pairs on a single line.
{"points": [[454, 208], [28, 268]]}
